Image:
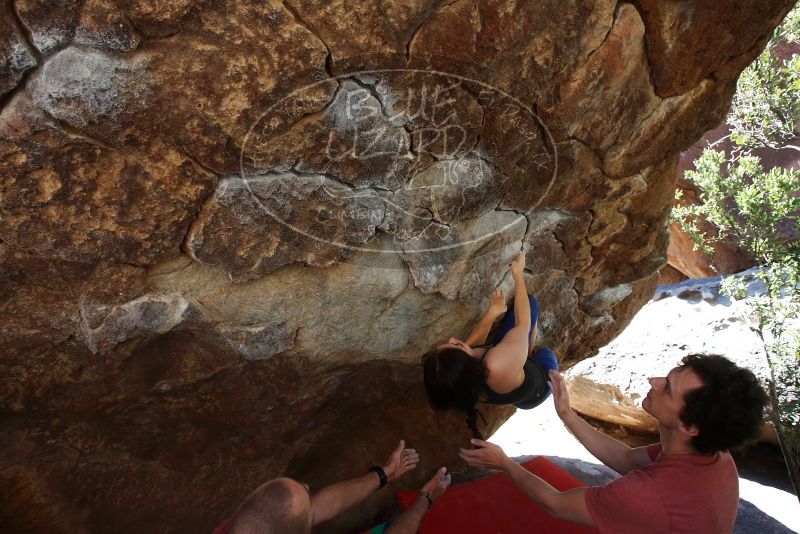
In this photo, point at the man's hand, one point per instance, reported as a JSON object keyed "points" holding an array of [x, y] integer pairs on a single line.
{"points": [[488, 455], [408, 522], [497, 304], [437, 485], [518, 264], [400, 462], [560, 394]]}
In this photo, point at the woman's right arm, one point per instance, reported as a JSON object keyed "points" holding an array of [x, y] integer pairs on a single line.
{"points": [[506, 360], [522, 308]]}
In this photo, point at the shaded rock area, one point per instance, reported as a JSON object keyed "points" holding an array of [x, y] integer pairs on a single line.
{"points": [[229, 230], [681, 319]]}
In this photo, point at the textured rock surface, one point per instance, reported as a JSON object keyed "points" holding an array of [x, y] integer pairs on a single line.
{"points": [[255, 225], [16, 55], [67, 195], [714, 34], [224, 244], [686, 318]]}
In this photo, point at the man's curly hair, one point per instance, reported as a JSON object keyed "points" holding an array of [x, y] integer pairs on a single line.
{"points": [[727, 409]]}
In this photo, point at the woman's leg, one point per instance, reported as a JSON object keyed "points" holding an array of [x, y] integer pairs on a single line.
{"points": [[547, 359], [509, 321]]}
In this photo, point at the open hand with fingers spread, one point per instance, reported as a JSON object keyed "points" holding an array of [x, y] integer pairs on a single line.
{"points": [[400, 461], [560, 394], [487, 455]]}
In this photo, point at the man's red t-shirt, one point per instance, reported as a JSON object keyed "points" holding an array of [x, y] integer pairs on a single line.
{"points": [[676, 493]]}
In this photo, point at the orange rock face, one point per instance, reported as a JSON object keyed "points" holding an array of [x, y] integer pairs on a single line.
{"points": [[228, 230]]}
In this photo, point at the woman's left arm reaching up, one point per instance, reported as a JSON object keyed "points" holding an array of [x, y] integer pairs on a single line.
{"points": [[497, 307]]}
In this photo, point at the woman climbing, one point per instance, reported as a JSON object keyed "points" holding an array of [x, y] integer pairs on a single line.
{"points": [[459, 374]]}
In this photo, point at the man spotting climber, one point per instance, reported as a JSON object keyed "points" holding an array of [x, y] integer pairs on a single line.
{"points": [[285, 506], [685, 483]]}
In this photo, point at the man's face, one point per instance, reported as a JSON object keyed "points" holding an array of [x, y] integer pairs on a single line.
{"points": [[665, 400]]}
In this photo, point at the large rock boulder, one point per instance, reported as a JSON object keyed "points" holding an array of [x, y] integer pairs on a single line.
{"points": [[228, 230]]}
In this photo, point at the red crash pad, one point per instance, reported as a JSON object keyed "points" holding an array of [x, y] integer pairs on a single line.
{"points": [[493, 505]]}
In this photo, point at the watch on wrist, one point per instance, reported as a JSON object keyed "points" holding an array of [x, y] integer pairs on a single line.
{"points": [[381, 475], [427, 496]]}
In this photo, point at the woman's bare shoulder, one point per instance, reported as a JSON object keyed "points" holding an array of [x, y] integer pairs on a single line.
{"points": [[502, 373]]}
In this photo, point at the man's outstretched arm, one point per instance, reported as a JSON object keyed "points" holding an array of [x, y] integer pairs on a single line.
{"points": [[608, 450], [332, 500], [569, 505], [408, 522]]}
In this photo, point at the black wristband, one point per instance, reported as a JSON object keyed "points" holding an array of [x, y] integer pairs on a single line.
{"points": [[381, 475], [427, 496]]}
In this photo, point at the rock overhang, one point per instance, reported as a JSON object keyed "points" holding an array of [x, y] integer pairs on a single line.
{"points": [[187, 301]]}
